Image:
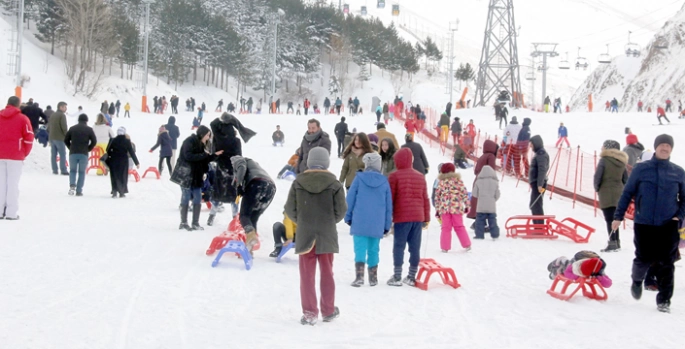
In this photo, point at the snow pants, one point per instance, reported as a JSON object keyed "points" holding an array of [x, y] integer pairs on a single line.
{"points": [[656, 249], [562, 139], [453, 222], [491, 219], [444, 133], [279, 234], [407, 234], [609, 218], [663, 116], [10, 173], [535, 205], [366, 250], [256, 199], [308, 283], [520, 156]]}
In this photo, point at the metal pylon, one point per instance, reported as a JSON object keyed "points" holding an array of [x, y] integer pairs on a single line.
{"points": [[499, 64]]}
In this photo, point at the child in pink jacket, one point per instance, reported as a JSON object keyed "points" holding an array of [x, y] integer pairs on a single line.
{"points": [[585, 264], [451, 202]]}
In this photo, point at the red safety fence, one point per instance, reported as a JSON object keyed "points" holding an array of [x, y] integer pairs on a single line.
{"points": [[571, 170]]}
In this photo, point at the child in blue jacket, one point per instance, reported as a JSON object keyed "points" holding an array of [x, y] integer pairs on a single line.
{"points": [[368, 195]]}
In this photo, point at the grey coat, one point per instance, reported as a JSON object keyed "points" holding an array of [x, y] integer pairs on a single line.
{"points": [[316, 203], [486, 189], [634, 152], [610, 177]]}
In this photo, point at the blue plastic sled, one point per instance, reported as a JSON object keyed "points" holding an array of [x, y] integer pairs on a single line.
{"points": [[284, 250], [237, 247]]}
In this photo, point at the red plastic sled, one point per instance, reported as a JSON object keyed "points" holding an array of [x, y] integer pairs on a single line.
{"points": [[523, 227], [429, 266], [590, 286]]}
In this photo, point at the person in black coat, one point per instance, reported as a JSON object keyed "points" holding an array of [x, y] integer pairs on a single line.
{"points": [[420, 161], [340, 131], [537, 177], [165, 150], [112, 109], [118, 151], [35, 115], [174, 134], [226, 140], [448, 109], [80, 140], [193, 163]]}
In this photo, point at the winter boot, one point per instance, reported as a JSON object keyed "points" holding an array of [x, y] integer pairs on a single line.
{"points": [[359, 269], [409, 280], [276, 252], [210, 220], [662, 307], [373, 276], [308, 320], [611, 247], [184, 218], [250, 237], [395, 281], [72, 190], [196, 217], [330, 318], [636, 290]]}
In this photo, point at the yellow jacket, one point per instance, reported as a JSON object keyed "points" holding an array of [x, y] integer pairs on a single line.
{"points": [[127, 107], [290, 227]]}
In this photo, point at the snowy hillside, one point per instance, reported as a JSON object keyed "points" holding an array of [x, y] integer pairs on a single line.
{"points": [[654, 77]]}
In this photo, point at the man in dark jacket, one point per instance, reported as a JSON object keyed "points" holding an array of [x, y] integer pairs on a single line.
{"points": [[420, 161], [225, 139], [316, 203], [35, 115], [80, 139], [278, 137], [658, 187], [192, 165], [57, 130], [448, 109], [257, 189], [411, 214], [315, 137], [340, 131], [537, 176], [456, 130], [326, 105], [174, 133]]}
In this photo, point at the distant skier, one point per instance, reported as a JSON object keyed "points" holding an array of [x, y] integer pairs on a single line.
{"points": [[547, 103], [563, 136], [639, 106], [668, 104], [614, 105], [661, 113]]}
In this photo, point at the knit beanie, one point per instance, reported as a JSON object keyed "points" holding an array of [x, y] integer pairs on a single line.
{"points": [[631, 139], [447, 167], [588, 267], [661, 139], [611, 144], [372, 161], [318, 159], [121, 131]]}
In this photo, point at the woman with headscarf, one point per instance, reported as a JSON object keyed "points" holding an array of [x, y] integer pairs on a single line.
{"points": [[118, 151]]}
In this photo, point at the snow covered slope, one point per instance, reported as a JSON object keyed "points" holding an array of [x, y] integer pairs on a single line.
{"points": [[654, 77]]}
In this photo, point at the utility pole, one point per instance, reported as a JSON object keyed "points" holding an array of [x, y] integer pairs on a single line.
{"points": [[277, 19], [146, 30], [545, 50], [499, 63], [20, 39], [450, 76]]}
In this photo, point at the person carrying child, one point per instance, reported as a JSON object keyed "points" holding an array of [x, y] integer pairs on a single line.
{"points": [[451, 202], [486, 191]]}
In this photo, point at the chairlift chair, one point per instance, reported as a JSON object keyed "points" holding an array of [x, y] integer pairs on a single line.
{"points": [[564, 64], [396, 10], [380, 4], [364, 12], [604, 58], [632, 49], [581, 62], [541, 67], [346, 8], [530, 76]]}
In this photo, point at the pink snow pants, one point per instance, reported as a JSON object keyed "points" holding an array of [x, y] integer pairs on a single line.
{"points": [[456, 222]]}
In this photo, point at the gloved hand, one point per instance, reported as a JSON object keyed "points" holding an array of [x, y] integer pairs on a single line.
{"points": [[150, 150], [425, 225], [385, 233], [348, 223], [427, 170]]}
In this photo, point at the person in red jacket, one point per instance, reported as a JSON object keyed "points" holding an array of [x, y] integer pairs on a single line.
{"points": [[639, 106], [411, 213], [307, 103], [410, 125], [471, 129], [661, 113], [16, 141]]}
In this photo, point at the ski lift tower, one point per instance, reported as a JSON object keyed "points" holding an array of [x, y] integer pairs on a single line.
{"points": [[450, 75], [545, 50], [143, 52], [14, 51], [499, 64]]}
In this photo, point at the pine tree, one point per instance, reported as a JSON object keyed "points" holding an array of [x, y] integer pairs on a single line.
{"points": [[464, 73]]}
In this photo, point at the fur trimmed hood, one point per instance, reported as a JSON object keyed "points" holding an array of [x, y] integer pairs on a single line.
{"points": [[449, 175], [616, 154]]}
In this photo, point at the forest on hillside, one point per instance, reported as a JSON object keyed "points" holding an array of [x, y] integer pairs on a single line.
{"points": [[210, 41]]}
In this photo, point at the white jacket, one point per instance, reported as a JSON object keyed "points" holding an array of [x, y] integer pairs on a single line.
{"points": [[103, 133], [512, 133]]}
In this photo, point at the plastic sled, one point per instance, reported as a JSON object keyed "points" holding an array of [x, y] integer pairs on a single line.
{"points": [[524, 227], [135, 174], [235, 226], [590, 286], [571, 229], [429, 266], [221, 240], [284, 250], [153, 170], [237, 247]]}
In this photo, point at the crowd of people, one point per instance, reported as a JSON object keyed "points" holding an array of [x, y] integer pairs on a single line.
{"points": [[377, 176]]}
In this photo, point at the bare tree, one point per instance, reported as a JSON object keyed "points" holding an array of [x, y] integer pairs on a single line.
{"points": [[89, 31]]}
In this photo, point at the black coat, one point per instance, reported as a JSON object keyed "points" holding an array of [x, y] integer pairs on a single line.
{"points": [[420, 161], [225, 139], [80, 139], [192, 164], [174, 133], [164, 144], [35, 115], [341, 130], [118, 151], [540, 163]]}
